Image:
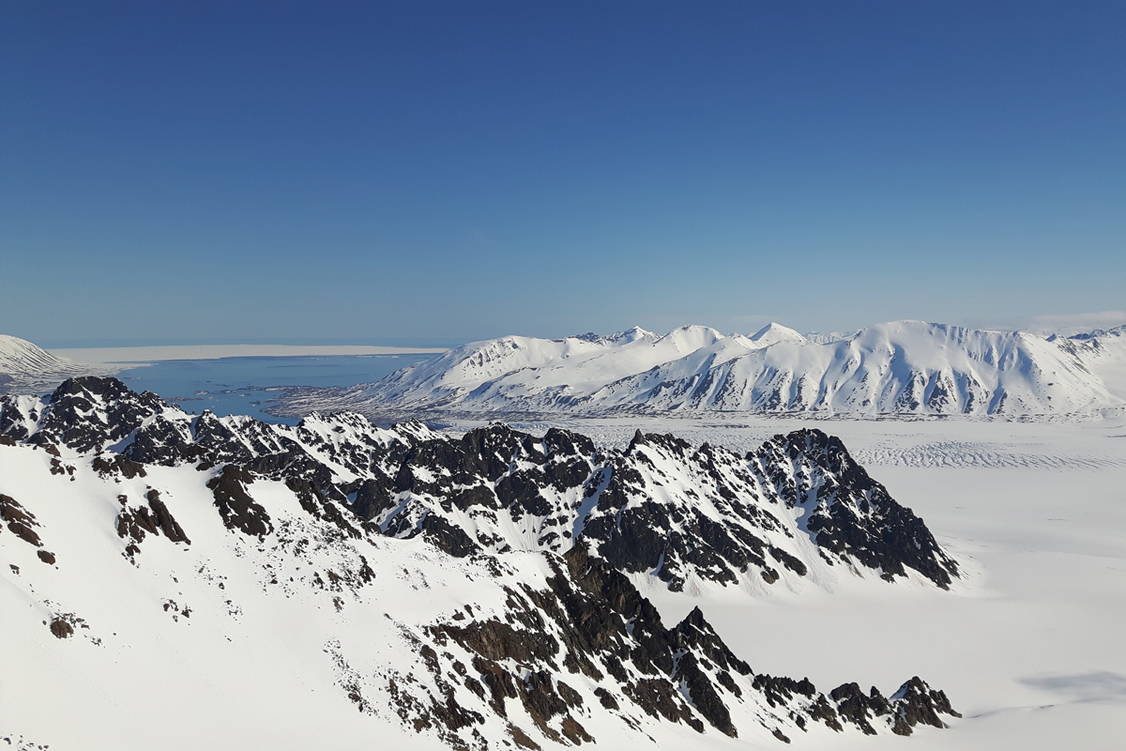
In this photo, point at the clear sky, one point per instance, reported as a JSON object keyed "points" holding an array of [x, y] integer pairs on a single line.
{"points": [[433, 172]]}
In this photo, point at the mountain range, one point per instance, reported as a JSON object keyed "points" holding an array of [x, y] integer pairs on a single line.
{"points": [[417, 588], [898, 368]]}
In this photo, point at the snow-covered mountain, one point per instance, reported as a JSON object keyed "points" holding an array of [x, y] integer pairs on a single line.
{"points": [[773, 332], [428, 590], [1103, 351], [25, 367], [903, 367]]}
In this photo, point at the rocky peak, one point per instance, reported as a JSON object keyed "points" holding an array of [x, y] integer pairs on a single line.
{"points": [[92, 412]]}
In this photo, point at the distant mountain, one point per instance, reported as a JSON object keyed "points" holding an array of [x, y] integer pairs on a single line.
{"points": [[773, 333], [824, 337], [26, 367], [1103, 351], [466, 592], [903, 367]]}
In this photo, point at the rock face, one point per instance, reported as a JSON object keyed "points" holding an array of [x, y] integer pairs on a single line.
{"points": [[592, 623], [501, 564]]}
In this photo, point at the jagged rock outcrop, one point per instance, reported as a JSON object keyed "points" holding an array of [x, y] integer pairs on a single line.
{"points": [[684, 514], [594, 625]]}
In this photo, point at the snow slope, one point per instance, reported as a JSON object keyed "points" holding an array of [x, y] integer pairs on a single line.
{"points": [[903, 367], [25, 367], [1104, 353]]}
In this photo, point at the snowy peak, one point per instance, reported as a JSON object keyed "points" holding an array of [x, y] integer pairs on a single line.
{"points": [[689, 338], [633, 333], [772, 333]]}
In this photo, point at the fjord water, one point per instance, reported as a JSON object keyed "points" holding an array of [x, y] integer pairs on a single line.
{"points": [[247, 385]]}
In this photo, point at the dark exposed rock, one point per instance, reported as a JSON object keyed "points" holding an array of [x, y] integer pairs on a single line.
{"points": [[58, 467], [20, 521], [496, 640], [113, 465], [606, 698], [695, 633], [916, 703], [89, 413], [61, 628], [164, 519], [133, 523], [854, 706], [601, 626], [236, 507], [374, 496], [521, 738], [447, 537], [704, 694], [849, 513], [317, 505]]}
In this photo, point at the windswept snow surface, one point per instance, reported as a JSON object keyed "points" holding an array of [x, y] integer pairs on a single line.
{"points": [[898, 368]]}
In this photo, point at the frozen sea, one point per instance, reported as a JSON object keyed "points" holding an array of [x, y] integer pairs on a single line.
{"points": [[247, 385]]}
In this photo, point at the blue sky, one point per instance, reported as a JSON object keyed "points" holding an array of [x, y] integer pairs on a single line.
{"points": [[434, 172]]}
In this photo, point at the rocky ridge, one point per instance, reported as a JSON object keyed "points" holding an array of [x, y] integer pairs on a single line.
{"points": [[474, 590], [703, 515]]}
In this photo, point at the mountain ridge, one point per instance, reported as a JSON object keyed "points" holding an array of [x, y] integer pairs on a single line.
{"points": [[707, 515], [896, 368], [145, 546]]}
